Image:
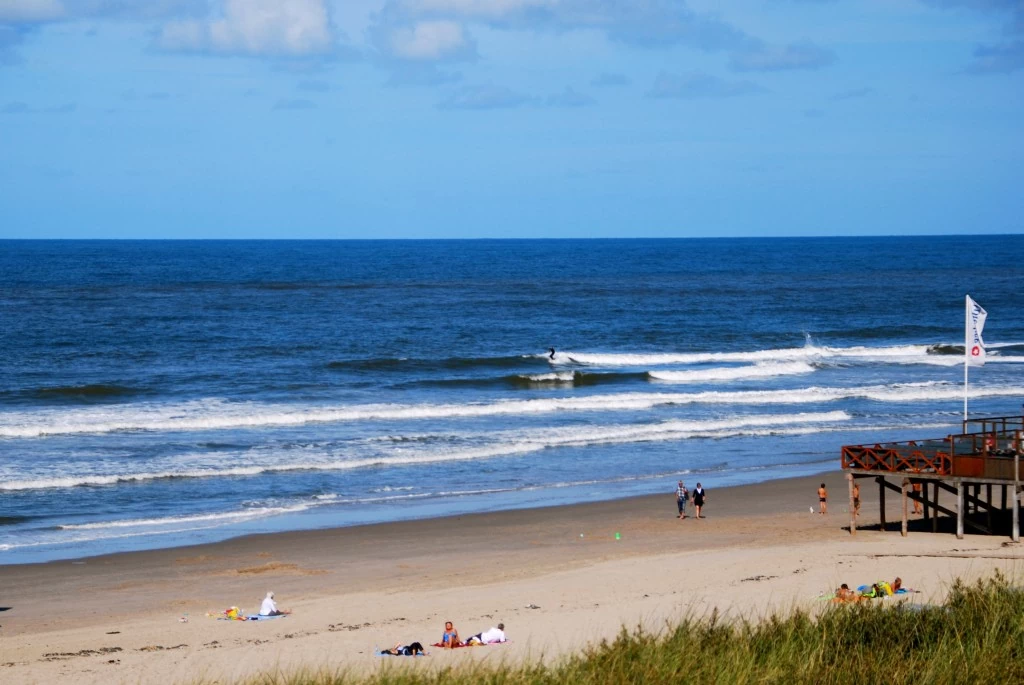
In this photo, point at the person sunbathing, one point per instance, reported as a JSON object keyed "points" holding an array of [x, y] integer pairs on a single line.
{"points": [[411, 649], [489, 637], [269, 607], [450, 638], [845, 594]]}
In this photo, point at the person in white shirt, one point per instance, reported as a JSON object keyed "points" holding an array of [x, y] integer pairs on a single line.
{"points": [[489, 637], [269, 607]]}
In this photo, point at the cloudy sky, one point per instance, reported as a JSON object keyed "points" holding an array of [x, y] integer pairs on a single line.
{"points": [[510, 118]]}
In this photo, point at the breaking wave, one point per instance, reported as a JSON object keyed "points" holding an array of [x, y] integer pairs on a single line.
{"points": [[208, 415], [507, 445]]}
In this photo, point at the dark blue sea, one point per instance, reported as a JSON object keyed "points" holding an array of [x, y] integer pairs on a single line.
{"points": [[155, 394]]}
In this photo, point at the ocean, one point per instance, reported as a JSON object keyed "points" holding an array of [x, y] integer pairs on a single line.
{"points": [[156, 394]]}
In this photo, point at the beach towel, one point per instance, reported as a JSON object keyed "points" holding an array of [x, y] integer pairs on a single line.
{"points": [[265, 618], [384, 653]]}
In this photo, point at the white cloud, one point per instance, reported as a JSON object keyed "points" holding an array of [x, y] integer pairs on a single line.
{"points": [[30, 10], [431, 40], [255, 27]]}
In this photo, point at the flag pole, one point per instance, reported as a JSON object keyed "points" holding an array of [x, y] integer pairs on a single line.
{"points": [[967, 346]]}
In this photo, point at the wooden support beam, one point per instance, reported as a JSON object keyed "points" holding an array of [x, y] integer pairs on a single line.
{"points": [[949, 512], [959, 510], [903, 527], [925, 498], [1004, 498], [881, 500], [968, 498], [935, 504]]}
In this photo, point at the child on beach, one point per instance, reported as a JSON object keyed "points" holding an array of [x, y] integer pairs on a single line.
{"points": [[822, 499]]}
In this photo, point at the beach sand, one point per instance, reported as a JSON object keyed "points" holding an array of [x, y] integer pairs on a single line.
{"points": [[557, 577]]}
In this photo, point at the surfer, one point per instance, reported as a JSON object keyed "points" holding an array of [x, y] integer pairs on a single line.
{"points": [[551, 353]]}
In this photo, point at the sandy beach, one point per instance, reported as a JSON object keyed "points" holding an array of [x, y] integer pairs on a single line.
{"points": [[557, 577]]}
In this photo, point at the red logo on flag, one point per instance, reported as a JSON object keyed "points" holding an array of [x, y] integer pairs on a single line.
{"points": [[975, 351]]}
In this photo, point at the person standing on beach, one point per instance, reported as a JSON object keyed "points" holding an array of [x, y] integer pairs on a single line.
{"points": [[917, 502], [822, 499], [698, 500], [682, 494], [856, 499]]}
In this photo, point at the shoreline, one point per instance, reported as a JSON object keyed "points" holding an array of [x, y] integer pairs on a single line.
{"points": [[313, 519], [115, 618]]}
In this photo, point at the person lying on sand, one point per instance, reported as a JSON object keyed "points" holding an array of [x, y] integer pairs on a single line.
{"points": [[489, 637], [269, 607], [412, 649], [845, 594]]}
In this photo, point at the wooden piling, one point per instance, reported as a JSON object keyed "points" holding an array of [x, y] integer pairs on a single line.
{"points": [[881, 500], [959, 510], [903, 528]]}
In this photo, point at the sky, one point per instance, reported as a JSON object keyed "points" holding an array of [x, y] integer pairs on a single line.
{"points": [[510, 118]]}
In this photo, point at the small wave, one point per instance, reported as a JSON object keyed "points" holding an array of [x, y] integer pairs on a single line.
{"points": [[451, 363], [14, 520], [734, 373], [943, 348], [536, 380], [96, 391]]}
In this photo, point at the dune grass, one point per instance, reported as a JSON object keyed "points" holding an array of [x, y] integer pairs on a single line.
{"points": [[977, 635]]}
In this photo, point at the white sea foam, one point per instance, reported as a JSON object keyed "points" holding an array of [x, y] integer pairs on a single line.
{"points": [[503, 444], [733, 373], [218, 415], [560, 377], [893, 354], [221, 517], [808, 352]]}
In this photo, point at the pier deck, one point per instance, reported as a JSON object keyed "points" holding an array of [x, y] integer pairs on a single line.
{"points": [[987, 452]]}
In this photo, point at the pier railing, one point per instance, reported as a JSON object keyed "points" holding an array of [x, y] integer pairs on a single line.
{"points": [[987, 453]]}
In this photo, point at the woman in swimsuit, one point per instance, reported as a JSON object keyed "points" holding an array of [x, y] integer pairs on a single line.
{"points": [[450, 638]]}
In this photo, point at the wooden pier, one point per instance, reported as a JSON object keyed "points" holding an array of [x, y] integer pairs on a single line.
{"points": [[986, 454]]}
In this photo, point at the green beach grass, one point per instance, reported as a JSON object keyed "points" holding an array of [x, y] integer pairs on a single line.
{"points": [[976, 635]]}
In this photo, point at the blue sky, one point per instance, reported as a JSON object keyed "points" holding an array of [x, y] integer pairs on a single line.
{"points": [[510, 118]]}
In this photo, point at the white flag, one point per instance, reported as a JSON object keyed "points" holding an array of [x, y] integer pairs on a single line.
{"points": [[974, 345]]}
